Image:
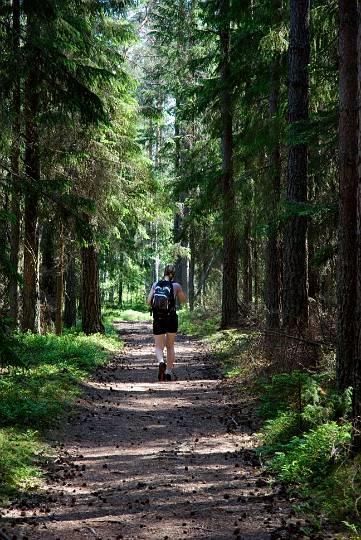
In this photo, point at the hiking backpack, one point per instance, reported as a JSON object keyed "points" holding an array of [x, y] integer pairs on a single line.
{"points": [[163, 302]]}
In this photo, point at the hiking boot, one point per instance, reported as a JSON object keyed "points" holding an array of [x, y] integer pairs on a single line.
{"points": [[171, 375], [161, 371]]}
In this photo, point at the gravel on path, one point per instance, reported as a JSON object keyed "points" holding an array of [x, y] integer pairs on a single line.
{"points": [[148, 460]]}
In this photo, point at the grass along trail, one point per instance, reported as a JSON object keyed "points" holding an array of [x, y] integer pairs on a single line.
{"points": [[149, 460]]}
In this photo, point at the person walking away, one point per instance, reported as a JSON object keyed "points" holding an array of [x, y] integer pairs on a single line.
{"points": [[162, 299]]}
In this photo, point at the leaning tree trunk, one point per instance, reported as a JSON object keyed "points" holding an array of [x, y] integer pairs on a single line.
{"points": [[295, 298], [91, 307], [31, 300], [346, 279], [230, 236], [273, 251], [69, 318], [356, 401], [15, 170]]}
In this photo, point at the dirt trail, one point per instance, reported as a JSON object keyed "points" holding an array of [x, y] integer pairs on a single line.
{"points": [[149, 460]]}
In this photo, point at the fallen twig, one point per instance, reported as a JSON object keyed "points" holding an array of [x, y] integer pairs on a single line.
{"points": [[93, 531], [233, 420], [302, 340], [108, 521]]}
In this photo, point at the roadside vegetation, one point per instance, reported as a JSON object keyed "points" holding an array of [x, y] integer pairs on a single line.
{"points": [[304, 441], [305, 434], [218, 135], [135, 314], [38, 388]]}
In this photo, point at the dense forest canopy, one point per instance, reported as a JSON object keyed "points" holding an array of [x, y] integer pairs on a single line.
{"points": [[221, 135]]}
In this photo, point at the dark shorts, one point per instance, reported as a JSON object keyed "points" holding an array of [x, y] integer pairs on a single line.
{"points": [[163, 326]]}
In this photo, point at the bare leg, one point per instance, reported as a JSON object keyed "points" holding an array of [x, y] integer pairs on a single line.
{"points": [[170, 339], [159, 347]]}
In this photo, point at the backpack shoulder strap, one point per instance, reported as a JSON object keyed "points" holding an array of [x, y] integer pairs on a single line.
{"points": [[172, 294]]}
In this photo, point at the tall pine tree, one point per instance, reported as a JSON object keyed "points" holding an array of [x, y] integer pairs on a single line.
{"points": [[295, 280]]}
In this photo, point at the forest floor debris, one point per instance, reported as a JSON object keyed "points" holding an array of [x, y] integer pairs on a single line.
{"points": [[149, 460]]}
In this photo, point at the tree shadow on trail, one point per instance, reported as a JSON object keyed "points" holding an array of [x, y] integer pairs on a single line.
{"points": [[196, 489], [151, 460]]}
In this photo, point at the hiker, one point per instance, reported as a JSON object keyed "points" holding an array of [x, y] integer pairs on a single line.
{"points": [[162, 299]]}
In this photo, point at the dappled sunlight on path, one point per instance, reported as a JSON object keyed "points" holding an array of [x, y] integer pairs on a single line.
{"points": [[149, 460]]}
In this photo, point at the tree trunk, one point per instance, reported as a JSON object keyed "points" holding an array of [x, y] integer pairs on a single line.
{"points": [[156, 257], [191, 269], [185, 270], [313, 272], [150, 140], [80, 295], [255, 271], [356, 399], [70, 294], [60, 284], [179, 234], [295, 297], [15, 170], [203, 282], [31, 299], [273, 273], [48, 270], [111, 296], [230, 236], [177, 224], [158, 136], [153, 235], [120, 294], [247, 261], [346, 282], [91, 308], [181, 270], [181, 264], [273, 254], [4, 253]]}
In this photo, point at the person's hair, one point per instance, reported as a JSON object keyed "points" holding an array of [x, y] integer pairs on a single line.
{"points": [[169, 270]]}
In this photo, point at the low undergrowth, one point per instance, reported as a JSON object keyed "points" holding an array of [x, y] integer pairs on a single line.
{"points": [[305, 443], [306, 433], [132, 315], [200, 322], [232, 347], [19, 453], [37, 387]]}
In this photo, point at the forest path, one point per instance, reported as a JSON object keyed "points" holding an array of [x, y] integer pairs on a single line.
{"points": [[149, 460]]}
